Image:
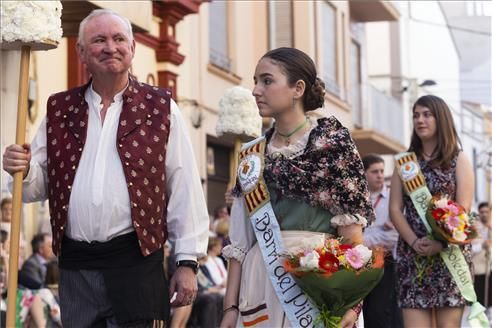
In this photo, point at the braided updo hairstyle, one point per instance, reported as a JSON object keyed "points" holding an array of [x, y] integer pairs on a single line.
{"points": [[298, 66]]}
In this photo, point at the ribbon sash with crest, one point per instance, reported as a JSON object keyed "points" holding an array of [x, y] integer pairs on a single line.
{"points": [[299, 309], [415, 187]]}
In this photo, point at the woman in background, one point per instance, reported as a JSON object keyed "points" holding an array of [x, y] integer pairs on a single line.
{"points": [[447, 171]]}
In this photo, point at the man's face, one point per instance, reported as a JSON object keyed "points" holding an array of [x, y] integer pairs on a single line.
{"points": [[7, 212], [375, 176], [46, 249], [106, 47], [485, 216]]}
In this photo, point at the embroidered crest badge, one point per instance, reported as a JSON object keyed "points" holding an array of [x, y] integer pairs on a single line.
{"points": [[409, 170], [249, 171]]}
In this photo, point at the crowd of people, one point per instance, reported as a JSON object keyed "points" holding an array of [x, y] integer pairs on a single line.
{"points": [[121, 204], [38, 277]]}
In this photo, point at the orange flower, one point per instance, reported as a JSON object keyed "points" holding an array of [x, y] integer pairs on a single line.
{"points": [[378, 254], [289, 267]]}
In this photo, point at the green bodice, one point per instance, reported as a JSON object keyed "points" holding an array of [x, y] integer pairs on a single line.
{"points": [[297, 215]]}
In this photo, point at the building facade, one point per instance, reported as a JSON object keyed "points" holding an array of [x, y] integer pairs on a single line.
{"points": [[199, 49]]}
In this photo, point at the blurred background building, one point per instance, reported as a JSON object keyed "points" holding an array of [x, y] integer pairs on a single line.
{"points": [[376, 58]]}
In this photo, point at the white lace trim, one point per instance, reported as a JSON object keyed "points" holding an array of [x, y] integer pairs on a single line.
{"points": [[348, 219], [298, 146], [233, 252]]}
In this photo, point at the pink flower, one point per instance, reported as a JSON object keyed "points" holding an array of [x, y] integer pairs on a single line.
{"points": [[354, 258], [453, 223], [453, 209]]}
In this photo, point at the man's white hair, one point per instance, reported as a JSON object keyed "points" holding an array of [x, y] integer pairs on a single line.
{"points": [[98, 12]]}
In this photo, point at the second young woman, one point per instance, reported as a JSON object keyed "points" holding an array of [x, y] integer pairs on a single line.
{"points": [[424, 282]]}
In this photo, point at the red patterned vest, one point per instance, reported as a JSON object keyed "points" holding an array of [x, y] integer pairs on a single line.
{"points": [[142, 137]]}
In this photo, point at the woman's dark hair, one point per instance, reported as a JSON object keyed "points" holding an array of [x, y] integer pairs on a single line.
{"points": [[448, 142], [299, 66]]}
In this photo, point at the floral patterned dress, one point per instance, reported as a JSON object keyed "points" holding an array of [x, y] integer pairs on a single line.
{"points": [[425, 282]]}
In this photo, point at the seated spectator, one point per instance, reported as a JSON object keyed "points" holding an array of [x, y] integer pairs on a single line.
{"points": [[50, 296], [222, 232], [221, 212], [221, 218], [30, 309], [215, 265], [5, 224], [33, 272], [207, 308]]}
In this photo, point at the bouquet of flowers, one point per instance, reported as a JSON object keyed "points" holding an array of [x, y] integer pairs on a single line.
{"points": [[335, 276], [450, 222]]}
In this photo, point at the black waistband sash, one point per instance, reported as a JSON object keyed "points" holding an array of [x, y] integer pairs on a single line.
{"points": [[136, 285]]}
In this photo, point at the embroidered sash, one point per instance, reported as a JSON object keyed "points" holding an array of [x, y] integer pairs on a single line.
{"points": [[299, 309], [415, 187]]}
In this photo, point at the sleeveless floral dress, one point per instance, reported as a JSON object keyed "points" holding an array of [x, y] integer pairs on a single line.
{"points": [[425, 282]]}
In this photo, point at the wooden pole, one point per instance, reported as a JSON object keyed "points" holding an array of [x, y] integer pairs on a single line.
{"points": [[233, 164], [17, 190]]}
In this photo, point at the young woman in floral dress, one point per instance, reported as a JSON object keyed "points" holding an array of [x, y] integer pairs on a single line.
{"points": [[315, 179], [424, 282]]}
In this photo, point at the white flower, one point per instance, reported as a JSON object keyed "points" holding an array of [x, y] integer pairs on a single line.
{"points": [[459, 235], [442, 203], [310, 260], [365, 253], [31, 21], [238, 113], [306, 245]]}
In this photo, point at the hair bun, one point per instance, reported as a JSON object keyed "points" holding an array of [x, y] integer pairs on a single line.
{"points": [[315, 96]]}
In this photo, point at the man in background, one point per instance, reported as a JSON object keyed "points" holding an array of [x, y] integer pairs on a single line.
{"points": [[380, 306], [33, 272], [482, 258]]}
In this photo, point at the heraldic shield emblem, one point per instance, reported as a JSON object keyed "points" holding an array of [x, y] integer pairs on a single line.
{"points": [[249, 171]]}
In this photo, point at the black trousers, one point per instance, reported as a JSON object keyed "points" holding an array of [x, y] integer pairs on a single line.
{"points": [[380, 307], [207, 311], [480, 289]]}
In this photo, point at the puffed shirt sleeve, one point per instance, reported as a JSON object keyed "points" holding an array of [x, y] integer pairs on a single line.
{"points": [[35, 184], [187, 214], [241, 232]]}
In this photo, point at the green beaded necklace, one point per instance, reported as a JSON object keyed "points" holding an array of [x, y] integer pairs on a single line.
{"points": [[288, 135]]}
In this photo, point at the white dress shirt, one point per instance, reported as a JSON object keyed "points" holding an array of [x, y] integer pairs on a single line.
{"points": [[217, 271], [99, 202], [479, 253], [375, 234]]}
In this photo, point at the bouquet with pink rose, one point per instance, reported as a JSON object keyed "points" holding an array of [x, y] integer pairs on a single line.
{"points": [[336, 276], [450, 222]]}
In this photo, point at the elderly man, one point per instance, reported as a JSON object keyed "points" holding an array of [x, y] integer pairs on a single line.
{"points": [[115, 161]]}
